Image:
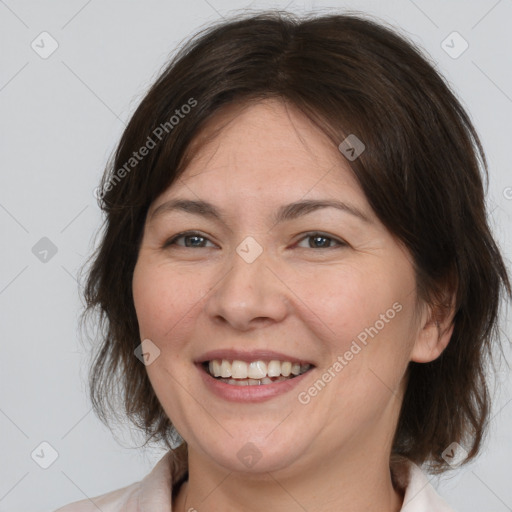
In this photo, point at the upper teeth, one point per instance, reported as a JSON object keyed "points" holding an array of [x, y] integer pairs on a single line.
{"points": [[255, 369]]}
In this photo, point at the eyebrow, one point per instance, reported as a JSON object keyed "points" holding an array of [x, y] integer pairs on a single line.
{"points": [[284, 213]]}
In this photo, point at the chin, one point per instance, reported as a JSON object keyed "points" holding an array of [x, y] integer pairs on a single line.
{"points": [[256, 454]]}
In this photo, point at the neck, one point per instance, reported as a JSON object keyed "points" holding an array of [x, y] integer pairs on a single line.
{"points": [[360, 483]]}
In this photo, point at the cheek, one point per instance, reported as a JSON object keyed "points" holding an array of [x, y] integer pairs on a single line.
{"points": [[148, 302], [364, 317], [162, 298], [162, 301], [343, 302]]}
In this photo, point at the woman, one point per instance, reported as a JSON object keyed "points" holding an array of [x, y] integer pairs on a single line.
{"points": [[296, 274]]}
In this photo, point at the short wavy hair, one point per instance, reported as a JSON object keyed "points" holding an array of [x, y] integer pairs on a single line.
{"points": [[422, 173]]}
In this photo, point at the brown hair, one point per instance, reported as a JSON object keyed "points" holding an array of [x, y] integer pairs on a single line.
{"points": [[421, 172]]}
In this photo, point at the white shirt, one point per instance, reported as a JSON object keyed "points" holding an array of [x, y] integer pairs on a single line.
{"points": [[153, 492]]}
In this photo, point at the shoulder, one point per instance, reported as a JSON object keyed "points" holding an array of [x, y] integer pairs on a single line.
{"points": [[151, 493], [419, 494], [124, 499]]}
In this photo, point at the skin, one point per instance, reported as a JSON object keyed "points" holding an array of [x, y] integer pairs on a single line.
{"points": [[302, 296]]}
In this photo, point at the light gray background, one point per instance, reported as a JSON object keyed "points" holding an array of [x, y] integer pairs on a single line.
{"points": [[60, 119]]}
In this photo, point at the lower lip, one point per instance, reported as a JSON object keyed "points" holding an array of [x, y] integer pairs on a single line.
{"points": [[254, 393]]}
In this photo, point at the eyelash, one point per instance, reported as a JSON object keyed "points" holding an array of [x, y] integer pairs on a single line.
{"points": [[311, 234]]}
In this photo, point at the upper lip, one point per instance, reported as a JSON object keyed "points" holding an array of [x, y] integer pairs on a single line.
{"points": [[248, 356]]}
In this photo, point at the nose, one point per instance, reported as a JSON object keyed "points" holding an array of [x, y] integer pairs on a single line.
{"points": [[249, 294]]}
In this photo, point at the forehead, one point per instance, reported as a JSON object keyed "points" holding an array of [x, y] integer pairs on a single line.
{"points": [[264, 148]]}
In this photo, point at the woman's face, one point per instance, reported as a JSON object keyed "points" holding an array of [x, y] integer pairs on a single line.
{"points": [[260, 278]]}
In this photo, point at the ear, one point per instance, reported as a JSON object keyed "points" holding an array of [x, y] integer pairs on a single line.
{"points": [[435, 331]]}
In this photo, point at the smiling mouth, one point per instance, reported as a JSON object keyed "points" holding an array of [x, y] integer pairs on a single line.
{"points": [[254, 373]]}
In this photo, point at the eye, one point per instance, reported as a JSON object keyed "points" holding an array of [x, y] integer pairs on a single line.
{"points": [[191, 238], [321, 241], [195, 239]]}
